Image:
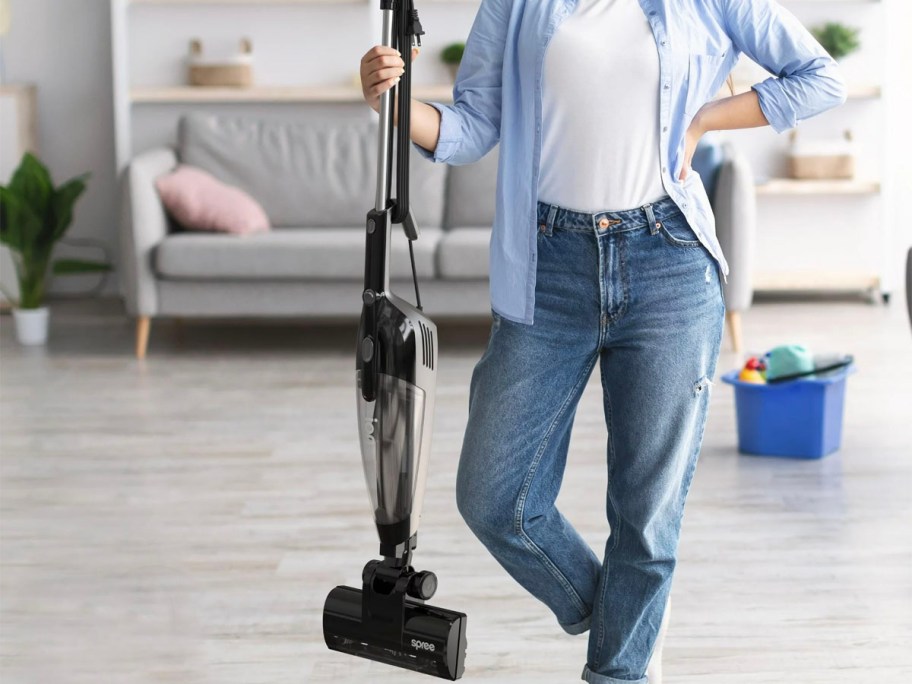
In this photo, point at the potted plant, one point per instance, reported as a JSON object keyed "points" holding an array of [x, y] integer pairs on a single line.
{"points": [[451, 55], [837, 39], [34, 215]]}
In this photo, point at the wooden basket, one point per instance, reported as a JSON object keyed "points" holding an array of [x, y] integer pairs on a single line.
{"points": [[237, 73], [831, 166], [820, 161]]}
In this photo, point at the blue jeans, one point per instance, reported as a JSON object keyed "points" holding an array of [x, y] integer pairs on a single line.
{"points": [[636, 291]]}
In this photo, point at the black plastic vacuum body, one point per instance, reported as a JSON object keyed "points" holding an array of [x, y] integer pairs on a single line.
{"points": [[387, 619]]}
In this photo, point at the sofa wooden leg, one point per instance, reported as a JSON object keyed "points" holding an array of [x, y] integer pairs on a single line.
{"points": [[143, 323], [733, 318]]}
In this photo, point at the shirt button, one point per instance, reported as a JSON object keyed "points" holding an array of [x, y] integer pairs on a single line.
{"points": [[664, 129], [664, 169], [667, 86]]}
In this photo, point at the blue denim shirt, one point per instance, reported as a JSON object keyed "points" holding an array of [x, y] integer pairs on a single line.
{"points": [[497, 98]]}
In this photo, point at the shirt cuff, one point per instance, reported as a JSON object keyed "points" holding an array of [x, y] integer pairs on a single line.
{"points": [[773, 105], [450, 134]]}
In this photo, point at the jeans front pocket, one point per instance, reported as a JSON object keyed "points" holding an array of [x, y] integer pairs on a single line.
{"points": [[677, 231]]}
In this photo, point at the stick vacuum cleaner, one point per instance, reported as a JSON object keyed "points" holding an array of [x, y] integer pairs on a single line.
{"points": [[387, 619]]}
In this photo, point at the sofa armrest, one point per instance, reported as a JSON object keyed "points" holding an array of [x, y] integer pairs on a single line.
{"points": [[144, 225], [735, 208]]}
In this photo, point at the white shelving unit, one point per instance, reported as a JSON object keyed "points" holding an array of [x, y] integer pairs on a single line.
{"points": [[829, 235]]}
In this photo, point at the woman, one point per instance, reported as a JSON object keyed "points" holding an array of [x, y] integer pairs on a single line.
{"points": [[603, 249]]}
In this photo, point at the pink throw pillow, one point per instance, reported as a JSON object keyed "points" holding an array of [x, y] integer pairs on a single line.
{"points": [[199, 201]]}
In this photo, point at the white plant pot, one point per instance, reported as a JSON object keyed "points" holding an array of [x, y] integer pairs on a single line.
{"points": [[31, 325]]}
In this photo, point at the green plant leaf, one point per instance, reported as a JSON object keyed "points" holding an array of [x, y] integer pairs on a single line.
{"points": [[32, 281], [62, 202], [32, 183], [837, 39], [78, 266], [452, 53], [19, 223]]}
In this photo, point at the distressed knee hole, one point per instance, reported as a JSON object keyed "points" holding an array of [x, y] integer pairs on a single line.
{"points": [[704, 384]]}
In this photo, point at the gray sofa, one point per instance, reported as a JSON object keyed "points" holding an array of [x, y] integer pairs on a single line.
{"points": [[316, 182]]}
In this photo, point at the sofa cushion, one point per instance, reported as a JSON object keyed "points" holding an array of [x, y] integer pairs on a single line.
{"points": [[287, 253], [471, 191], [463, 254], [315, 173], [199, 201]]}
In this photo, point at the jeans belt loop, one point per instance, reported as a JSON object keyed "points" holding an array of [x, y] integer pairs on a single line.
{"points": [[651, 219], [549, 222]]}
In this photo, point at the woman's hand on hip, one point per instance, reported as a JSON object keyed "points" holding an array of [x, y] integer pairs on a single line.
{"points": [[729, 113], [694, 132]]}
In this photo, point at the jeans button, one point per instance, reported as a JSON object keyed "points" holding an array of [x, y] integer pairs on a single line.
{"points": [[603, 223], [541, 228]]}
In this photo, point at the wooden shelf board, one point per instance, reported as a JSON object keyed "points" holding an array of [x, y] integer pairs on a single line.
{"points": [[814, 281], [10, 89], [790, 186], [290, 94]]}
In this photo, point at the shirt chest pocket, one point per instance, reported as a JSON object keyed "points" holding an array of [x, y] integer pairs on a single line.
{"points": [[705, 75]]}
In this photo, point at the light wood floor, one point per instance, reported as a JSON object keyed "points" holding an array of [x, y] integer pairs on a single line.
{"points": [[180, 520]]}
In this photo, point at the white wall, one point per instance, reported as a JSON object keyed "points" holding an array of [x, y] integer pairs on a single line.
{"points": [[63, 46]]}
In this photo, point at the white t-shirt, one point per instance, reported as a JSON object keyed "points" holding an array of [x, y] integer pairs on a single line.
{"points": [[600, 110]]}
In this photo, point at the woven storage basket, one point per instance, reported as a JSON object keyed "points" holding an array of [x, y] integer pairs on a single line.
{"points": [[822, 159], [236, 73]]}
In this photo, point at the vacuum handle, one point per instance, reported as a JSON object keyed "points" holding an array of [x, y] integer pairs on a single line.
{"points": [[408, 35]]}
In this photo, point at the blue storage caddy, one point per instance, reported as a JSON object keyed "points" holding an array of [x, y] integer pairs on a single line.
{"points": [[799, 418]]}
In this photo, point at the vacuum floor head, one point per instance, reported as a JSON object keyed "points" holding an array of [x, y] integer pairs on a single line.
{"points": [[431, 640]]}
